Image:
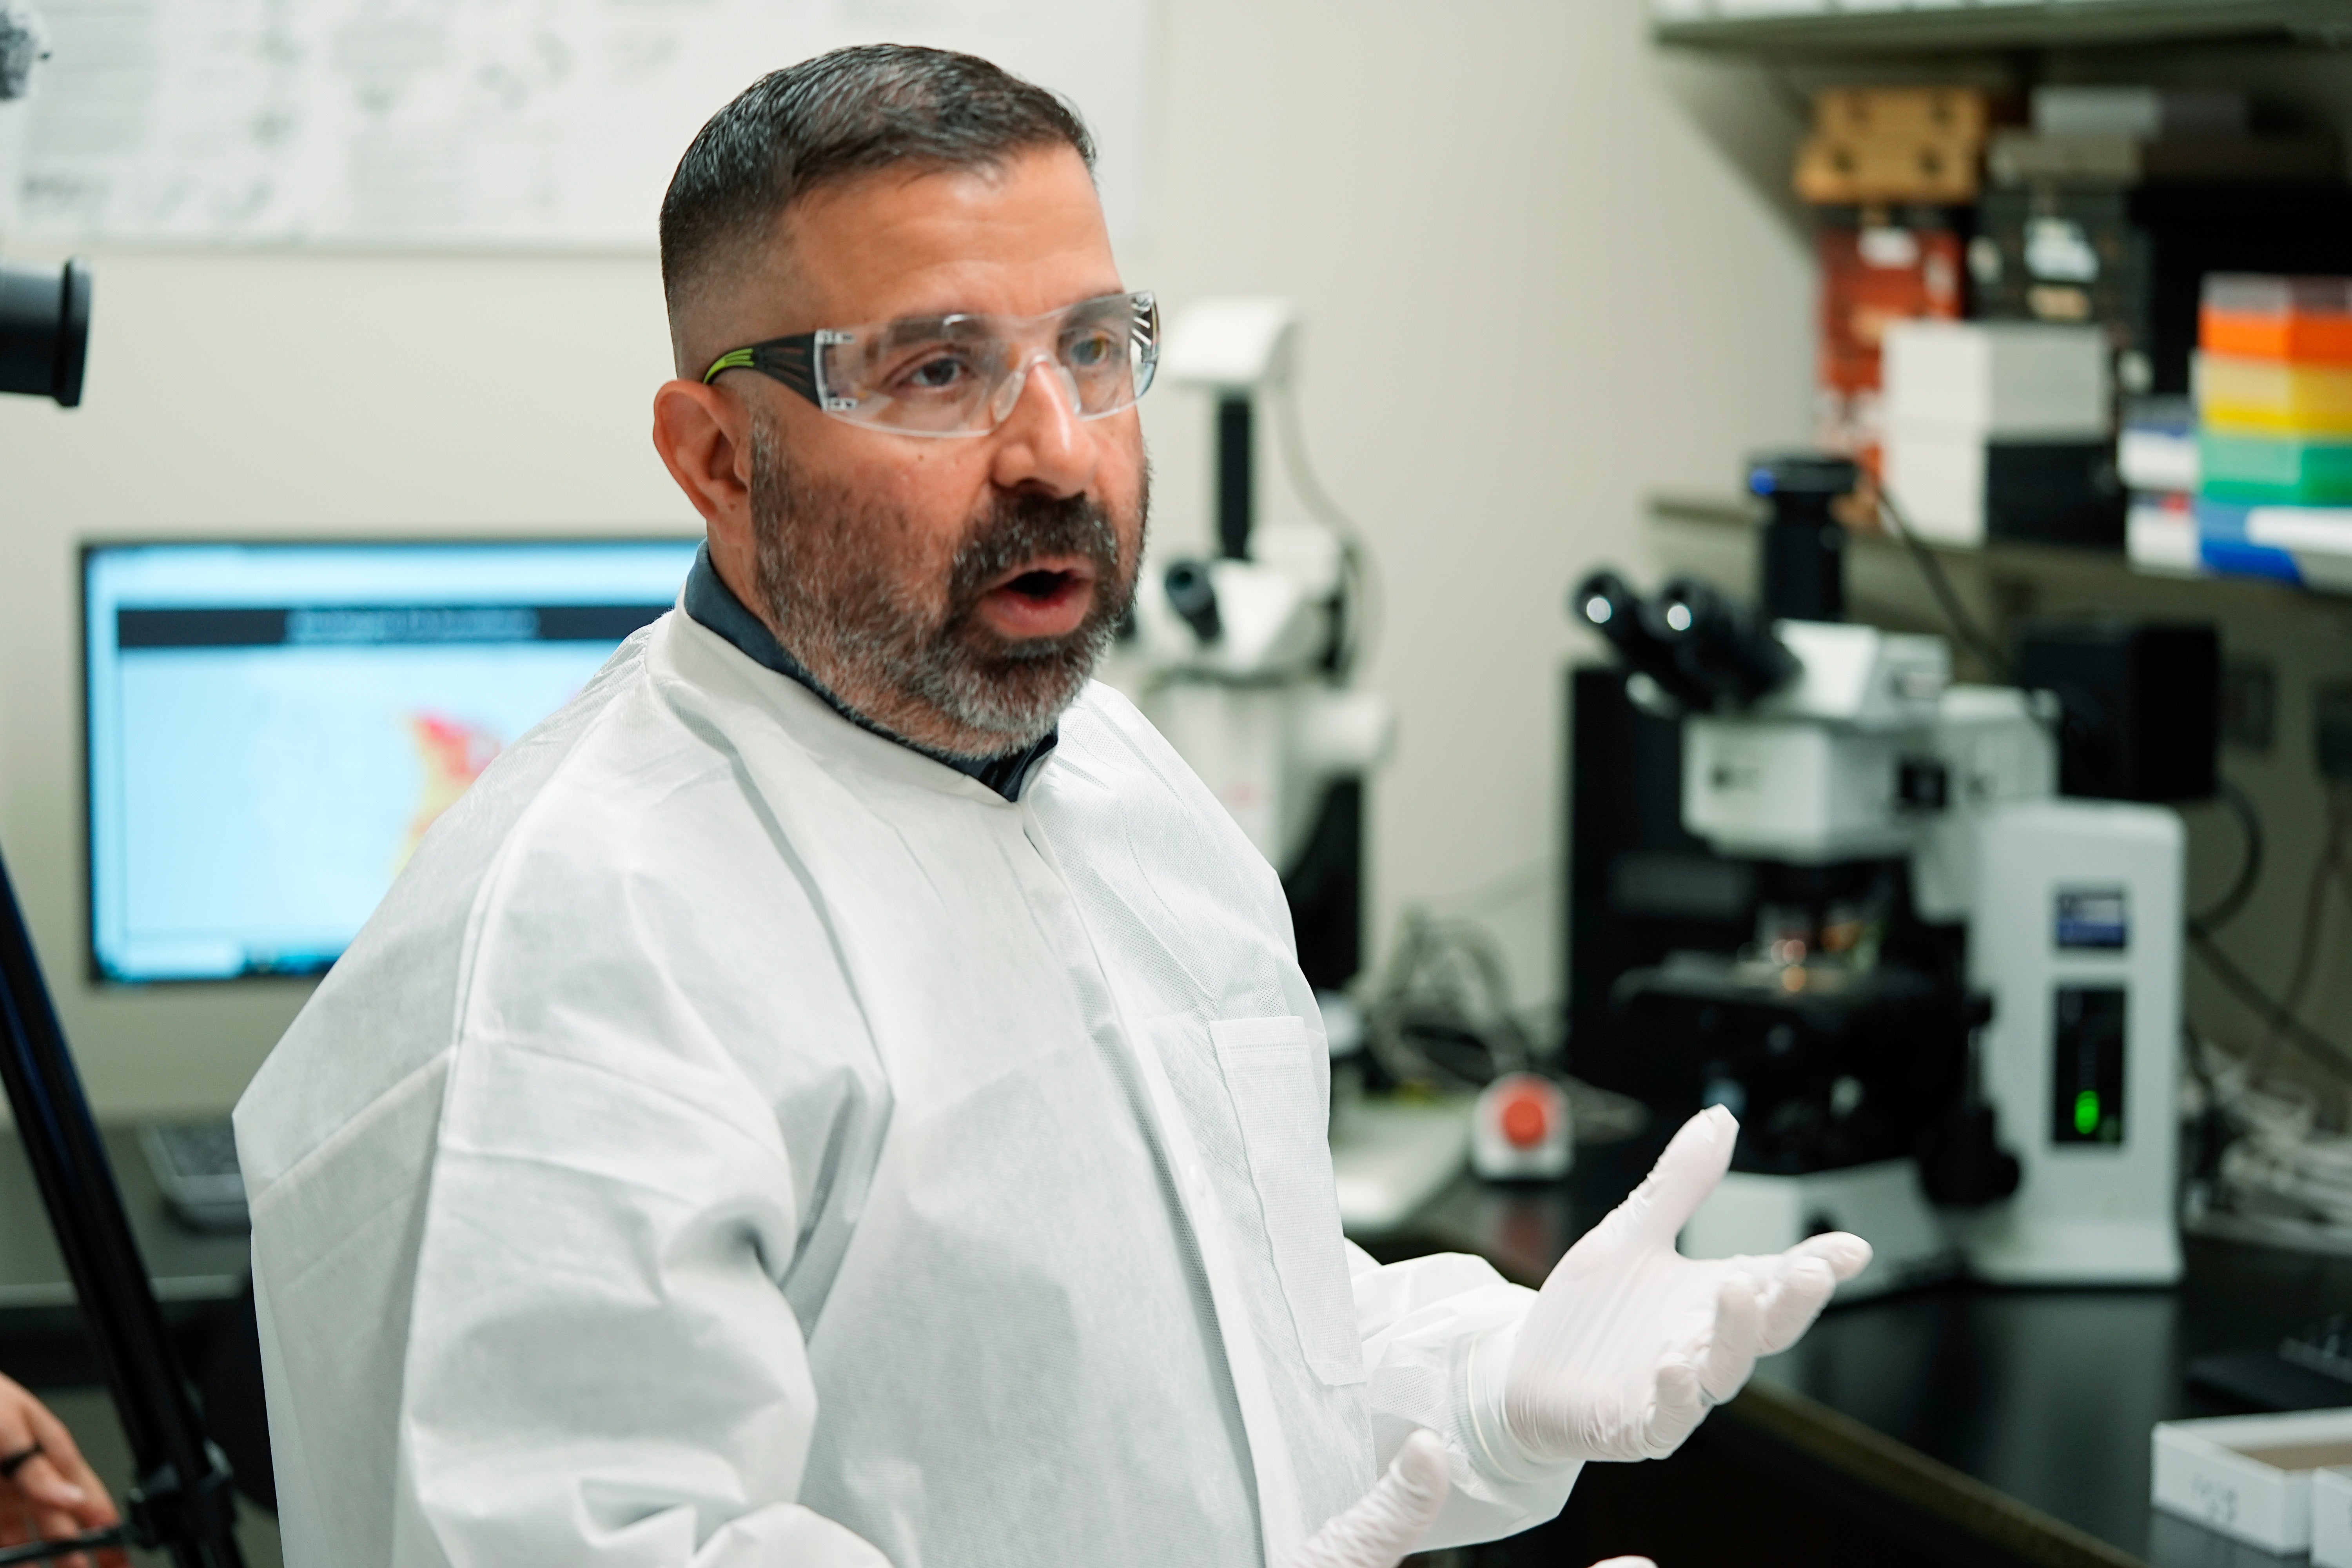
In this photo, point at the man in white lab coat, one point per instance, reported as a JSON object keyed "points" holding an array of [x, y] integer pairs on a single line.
{"points": [[841, 1092]]}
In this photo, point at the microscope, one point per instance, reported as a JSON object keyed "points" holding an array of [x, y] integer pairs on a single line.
{"points": [[1247, 655], [1956, 1030], [1244, 660]]}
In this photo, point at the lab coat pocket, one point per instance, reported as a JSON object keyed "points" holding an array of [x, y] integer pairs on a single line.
{"points": [[1278, 1099]]}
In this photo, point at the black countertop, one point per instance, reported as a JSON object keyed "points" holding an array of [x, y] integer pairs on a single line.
{"points": [[184, 1266], [2015, 1418], [2022, 1415]]}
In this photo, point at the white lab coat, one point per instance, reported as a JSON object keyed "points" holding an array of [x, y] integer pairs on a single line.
{"points": [[740, 1139]]}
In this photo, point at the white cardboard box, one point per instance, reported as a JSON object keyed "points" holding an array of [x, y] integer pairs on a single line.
{"points": [[2012, 380], [2148, 111], [2250, 1475], [2331, 1519], [1937, 475]]}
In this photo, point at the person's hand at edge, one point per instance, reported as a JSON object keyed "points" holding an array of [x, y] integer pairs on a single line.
{"points": [[49, 1491]]}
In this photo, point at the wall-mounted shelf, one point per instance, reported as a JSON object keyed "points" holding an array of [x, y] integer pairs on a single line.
{"points": [[2023, 24], [1999, 582]]}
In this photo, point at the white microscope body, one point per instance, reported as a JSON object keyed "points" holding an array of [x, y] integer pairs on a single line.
{"points": [[1252, 708], [2073, 914], [1237, 651]]}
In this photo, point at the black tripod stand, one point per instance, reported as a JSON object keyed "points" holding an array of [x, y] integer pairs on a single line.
{"points": [[181, 1503]]}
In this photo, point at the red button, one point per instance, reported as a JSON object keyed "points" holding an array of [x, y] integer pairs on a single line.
{"points": [[1524, 1121]]}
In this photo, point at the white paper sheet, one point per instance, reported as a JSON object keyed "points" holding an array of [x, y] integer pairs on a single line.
{"points": [[478, 123]]}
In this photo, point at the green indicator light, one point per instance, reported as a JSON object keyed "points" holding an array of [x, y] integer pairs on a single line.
{"points": [[2086, 1112]]}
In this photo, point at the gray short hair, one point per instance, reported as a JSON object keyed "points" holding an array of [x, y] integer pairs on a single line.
{"points": [[842, 114]]}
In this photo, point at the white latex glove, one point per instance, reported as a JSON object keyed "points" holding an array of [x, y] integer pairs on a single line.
{"points": [[1628, 1344], [1388, 1521]]}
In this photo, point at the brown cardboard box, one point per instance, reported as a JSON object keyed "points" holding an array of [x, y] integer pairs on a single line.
{"points": [[1838, 171], [1902, 113]]}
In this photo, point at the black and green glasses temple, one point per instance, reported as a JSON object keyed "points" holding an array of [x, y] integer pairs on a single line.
{"points": [[792, 361]]}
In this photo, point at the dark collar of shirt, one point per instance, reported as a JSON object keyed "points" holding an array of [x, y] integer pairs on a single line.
{"points": [[711, 602]]}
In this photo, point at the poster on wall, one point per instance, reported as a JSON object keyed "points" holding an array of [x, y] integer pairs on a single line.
{"points": [[541, 124]]}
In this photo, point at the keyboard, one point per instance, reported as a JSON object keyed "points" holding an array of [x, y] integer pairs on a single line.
{"points": [[196, 1165]]}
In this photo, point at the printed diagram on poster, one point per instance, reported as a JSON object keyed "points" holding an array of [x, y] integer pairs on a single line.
{"points": [[478, 123]]}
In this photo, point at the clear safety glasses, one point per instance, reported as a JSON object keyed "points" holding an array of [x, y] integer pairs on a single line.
{"points": [[963, 375]]}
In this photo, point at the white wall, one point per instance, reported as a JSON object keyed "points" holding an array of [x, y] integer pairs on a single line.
{"points": [[1537, 281]]}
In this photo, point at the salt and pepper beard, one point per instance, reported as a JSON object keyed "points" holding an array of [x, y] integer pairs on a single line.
{"points": [[824, 556]]}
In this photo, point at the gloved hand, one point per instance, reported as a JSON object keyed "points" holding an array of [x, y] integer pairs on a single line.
{"points": [[1389, 1520], [1629, 1343], [1386, 1522]]}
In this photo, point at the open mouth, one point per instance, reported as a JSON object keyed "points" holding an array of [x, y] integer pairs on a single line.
{"points": [[1041, 599], [1043, 585]]}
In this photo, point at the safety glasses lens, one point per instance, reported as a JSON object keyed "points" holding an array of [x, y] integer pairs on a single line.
{"points": [[964, 374]]}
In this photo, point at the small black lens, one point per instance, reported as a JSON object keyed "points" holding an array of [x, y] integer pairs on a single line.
{"points": [[43, 330], [1192, 596]]}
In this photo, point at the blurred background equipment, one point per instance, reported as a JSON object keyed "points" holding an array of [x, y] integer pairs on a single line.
{"points": [[43, 330], [2118, 200], [44, 310], [1246, 662], [1249, 655], [1522, 1130]]}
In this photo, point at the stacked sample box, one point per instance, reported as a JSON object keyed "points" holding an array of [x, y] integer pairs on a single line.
{"points": [[2273, 389], [2117, 201], [2002, 430], [1888, 171], [2155, 454]]}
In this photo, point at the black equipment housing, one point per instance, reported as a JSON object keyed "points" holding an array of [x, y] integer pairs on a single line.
{"points": [[45, 330]]}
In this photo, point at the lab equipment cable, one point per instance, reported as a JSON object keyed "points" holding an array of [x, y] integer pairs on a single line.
{"points": [[2249, 864], [2289, 1028], [1364, 606], [2284, 1179], [1443, 1014], [1965, 629], [2326, 870], [1602, 1115], [2278, 1175], [1445, 1003]]}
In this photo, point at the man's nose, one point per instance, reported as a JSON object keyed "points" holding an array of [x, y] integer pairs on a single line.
{"points": [[1043, 443]]}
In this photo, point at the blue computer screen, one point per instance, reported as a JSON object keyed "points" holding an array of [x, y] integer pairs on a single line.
{"points": [[273, 727]]}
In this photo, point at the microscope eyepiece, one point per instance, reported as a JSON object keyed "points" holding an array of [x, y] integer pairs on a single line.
{"points": [[1604, 602], [1717, 645]]}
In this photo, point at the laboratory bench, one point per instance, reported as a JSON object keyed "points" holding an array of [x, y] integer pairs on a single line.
{"points": [[1957, 1423], [1948, 1425]]}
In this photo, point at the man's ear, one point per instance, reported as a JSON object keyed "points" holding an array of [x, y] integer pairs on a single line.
{"points": [[704, 436]]}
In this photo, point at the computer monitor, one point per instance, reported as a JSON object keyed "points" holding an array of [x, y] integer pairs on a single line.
{"points": [[272, 728]]}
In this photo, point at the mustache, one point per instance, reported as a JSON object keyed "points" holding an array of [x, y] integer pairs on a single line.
{"points": [[1021, 527]]}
